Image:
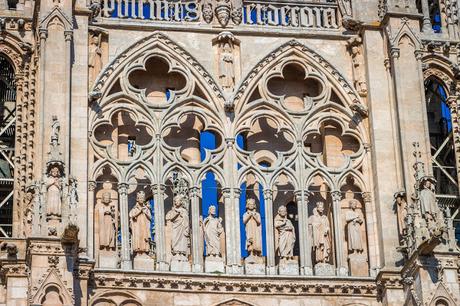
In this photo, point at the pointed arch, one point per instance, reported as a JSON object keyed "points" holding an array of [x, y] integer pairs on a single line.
{"points": [[157, 41], [294, 48], [443, 70], [57, 12], [405, 31], [52, 281]]}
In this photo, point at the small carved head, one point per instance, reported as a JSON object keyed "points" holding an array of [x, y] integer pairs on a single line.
{"points": [[212, 210], [251, 204], [140, 197], [353, 204], [282, 211], [55, 172], [106, 198], [320, 207], [178, 201]]}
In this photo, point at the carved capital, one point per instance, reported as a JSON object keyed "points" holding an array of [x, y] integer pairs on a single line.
{"points": [[68, 35], [268, 194], [123, 189], [92, 186], [418, 54], [395, 52], [226, 192], [451, 101], [193, 192], [336, 195], [367, 197], [43, 33], [158, 188]]}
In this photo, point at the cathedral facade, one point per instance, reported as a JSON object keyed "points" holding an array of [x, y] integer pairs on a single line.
{"points": [[229, 152]]}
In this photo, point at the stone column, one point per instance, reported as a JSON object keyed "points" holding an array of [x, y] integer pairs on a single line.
{"points": [[158, 191], [197, 239], [237, 267], [43, 33], [269, 232], [16, 281], [306, 267], [426, 28], [124, 217], [342, 269], [90, 219], [68, 35], [229, 232], [371, 234]]}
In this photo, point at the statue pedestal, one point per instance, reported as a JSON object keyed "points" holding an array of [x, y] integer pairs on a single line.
{"points": [[254, 265], [214, 264], [143, 262], [180, 264], [358, 264], [288, 267], [108, 259], [324, 269]]}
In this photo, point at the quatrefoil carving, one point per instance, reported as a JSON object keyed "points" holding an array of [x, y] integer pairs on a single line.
{"points": [[124, 136], [186, 135], [266, 141], [157, 81], [297, 89], [333, 147]]}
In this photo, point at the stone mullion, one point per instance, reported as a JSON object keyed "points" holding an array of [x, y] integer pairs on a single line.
{"points": [[158, 191], [90, 224], [342, 269], [125, 248], [304, 240], [237, 268], [229, 238], [197, 241], [269, 232]]}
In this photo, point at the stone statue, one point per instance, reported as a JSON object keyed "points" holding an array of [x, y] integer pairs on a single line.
{"points": [[54, 191], [95, 57], [213, 232], [354, 222], [73, 198], [29, 214], [178, 219], [227, 70], [284, 234], [428, 204], [402, 213], [358, 68], [107, 223], [140, 218], [253, 223], [320, 233]]}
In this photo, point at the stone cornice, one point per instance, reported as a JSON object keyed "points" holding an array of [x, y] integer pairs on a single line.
{"points": [[156, 281]]}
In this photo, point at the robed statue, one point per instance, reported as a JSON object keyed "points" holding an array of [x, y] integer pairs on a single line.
{"points": [[107, 222], [214, 233], [320, 234], [354, 221], [284, 234], [178, 222], [428, 203], [140, 218], [54, 192], [253, 227]]}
